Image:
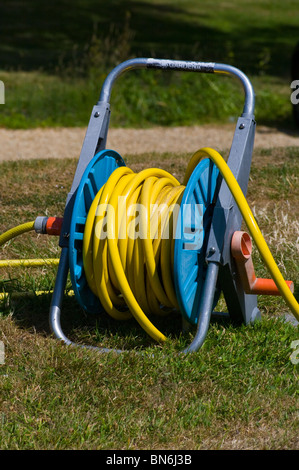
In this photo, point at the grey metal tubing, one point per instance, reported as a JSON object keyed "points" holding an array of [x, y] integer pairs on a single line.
{"points": [[249, 104], [180, 65], [57, 297], [205, 308], [55, 308]]}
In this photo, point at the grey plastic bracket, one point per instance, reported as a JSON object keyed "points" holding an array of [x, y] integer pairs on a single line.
{"points": [[227, 219]]}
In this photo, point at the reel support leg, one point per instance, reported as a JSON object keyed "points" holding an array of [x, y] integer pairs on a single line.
{"points": [[227, 219], [94, 141], [57, 297], [56, 305], [205, 308]]}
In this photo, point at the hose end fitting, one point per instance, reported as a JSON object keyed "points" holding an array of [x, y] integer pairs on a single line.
{"points": [[40, 224], [48, 225], [241, 249]]}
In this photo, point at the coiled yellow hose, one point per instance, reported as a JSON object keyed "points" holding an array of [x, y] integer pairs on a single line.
{"points": [[131, 267], [132, 275], [126, 264]]}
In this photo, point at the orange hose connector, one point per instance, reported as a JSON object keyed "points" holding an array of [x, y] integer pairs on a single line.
{"points": [[241, 249], [53, 225]]}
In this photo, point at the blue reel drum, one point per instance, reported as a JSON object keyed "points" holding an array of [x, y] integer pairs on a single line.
{"points": [[191, 233], [191, 238], [94, 177]]}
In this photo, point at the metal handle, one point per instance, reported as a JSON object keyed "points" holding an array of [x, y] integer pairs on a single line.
{"points": [[180, 65]]}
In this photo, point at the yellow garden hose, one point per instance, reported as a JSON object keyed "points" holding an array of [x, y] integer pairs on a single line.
{"points": [[124, 270], [250, 222], [121, 263], [16, 231], [116, 265], [11, 263]]}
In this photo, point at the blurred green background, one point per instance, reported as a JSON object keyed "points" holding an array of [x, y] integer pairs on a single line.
{"points": [[55, 55]]}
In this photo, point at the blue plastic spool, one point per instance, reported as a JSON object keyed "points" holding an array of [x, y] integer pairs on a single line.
{"points": [[94, 177], [191, 238]]}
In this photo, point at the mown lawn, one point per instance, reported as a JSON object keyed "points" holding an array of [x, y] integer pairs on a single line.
{"points": [[53, 60], [240, 391]]}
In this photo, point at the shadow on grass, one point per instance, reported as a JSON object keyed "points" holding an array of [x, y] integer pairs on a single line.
{"points": [[31, 312], [36, 35]]}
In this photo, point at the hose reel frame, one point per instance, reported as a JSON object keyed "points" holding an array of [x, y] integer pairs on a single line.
{"points": [[226, 217]]}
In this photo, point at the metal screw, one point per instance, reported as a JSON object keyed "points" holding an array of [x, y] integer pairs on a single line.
{"points": [[242, 126], [212, 250], [96, 114]]}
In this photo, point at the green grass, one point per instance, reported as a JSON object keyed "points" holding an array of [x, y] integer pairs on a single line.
{"points": [[60, 398], [240, 391], [54, 60], [140, 99], [258, 36]]}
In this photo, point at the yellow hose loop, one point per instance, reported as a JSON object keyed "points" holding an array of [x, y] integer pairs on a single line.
{"points": [[250, 222], [16, 231], [37, 293], [24, 263], [122, 266]]}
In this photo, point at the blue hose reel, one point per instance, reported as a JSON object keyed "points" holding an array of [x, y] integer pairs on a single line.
{"points": [[202, 262], [196, 208]]}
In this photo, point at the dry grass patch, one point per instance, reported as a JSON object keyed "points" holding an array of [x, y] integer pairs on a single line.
{"points": [[240, 391]]}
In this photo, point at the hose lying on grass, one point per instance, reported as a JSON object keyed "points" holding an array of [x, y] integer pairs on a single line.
{"points": [[114, 267]]}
